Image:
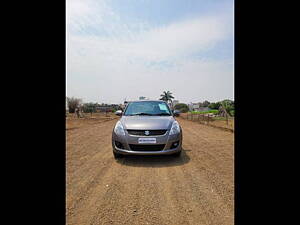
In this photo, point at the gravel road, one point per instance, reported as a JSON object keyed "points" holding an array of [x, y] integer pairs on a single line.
{"points": [[196, 188]]}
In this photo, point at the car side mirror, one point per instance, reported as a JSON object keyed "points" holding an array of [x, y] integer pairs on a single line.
{"points": [[119, 112], [176, 112]]}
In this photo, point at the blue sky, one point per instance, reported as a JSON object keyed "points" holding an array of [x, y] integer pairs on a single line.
{"points": [[120, 49]]}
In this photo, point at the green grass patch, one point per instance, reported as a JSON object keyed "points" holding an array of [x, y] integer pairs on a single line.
{"points": [[214, 111]]}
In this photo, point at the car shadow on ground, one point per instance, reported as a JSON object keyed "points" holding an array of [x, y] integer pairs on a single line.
{"points": [[155, 161]]}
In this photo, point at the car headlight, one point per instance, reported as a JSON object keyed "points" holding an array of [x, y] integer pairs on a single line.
{"points": [[119, 129], [175, 129]]}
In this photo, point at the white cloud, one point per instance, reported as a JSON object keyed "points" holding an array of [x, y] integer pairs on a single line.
{"points": [[101, 50], [175, 41], [180, 39]]}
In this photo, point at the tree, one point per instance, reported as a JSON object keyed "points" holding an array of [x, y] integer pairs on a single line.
{"points": [[223, 106], [89, 107], [181, 107], [214, 105], [167, 97], [228, 105], [73, 103], [205, 103]]}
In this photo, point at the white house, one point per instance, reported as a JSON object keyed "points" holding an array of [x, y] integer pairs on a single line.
{"points": [[197, 107], [194, 106]]}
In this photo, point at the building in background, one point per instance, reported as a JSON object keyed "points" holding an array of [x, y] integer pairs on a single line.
{"points": [[193, 106], [142, 98], [197, 107]]}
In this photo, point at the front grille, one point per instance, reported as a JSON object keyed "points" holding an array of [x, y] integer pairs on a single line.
{"points": [[146, 147], [142, 132]]}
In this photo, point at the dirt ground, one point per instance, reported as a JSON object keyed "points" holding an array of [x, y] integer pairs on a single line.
{"points": [[196, 188]]}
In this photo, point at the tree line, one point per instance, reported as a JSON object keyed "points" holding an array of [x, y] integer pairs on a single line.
{"points": [[90, 107], [227, 104], [166, 96]]}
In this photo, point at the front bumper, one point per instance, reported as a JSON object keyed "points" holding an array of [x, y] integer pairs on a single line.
{"points": [[166, 139], [163, 152]]}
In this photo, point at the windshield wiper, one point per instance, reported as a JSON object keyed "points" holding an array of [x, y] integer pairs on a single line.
{"points": [[142, 114], [162, 114]]}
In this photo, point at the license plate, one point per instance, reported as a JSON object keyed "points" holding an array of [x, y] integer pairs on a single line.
{"points": [[147, 140]]}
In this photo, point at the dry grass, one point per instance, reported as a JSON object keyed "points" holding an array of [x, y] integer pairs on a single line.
{"points": [[217, 123]]}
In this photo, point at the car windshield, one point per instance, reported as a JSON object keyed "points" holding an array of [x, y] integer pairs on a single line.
{"points": [[147, 108]]}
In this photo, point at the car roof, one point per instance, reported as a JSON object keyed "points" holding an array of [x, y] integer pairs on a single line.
{"points": [[147, 101]]}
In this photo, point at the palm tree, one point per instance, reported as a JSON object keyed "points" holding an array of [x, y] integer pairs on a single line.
{"points": [[167, 97]]}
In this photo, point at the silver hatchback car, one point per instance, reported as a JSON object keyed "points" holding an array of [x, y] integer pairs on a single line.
{"points": [[146, 128]]}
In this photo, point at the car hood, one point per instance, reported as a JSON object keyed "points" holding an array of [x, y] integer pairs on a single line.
{"points": [[147, 122]]}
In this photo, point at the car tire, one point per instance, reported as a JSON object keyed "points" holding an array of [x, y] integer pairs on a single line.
{"points": [[117, 155], [177, 154]]}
